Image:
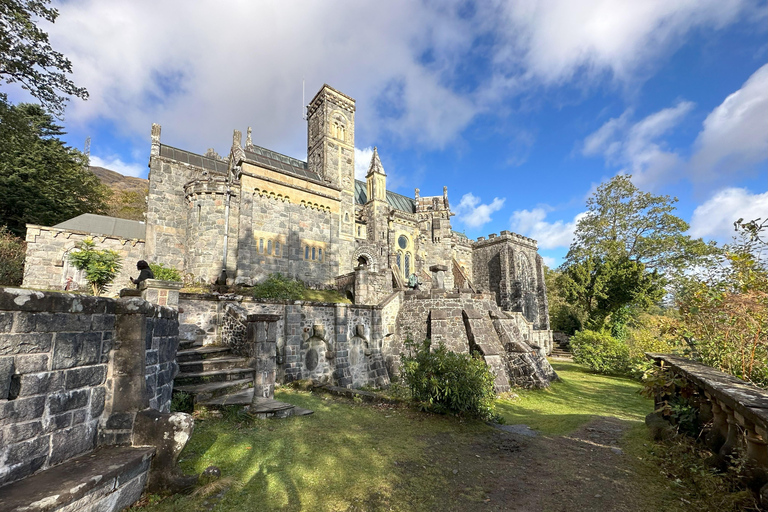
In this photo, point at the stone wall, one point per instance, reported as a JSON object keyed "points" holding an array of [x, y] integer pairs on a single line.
{"points": [[47, 265], [334, 343], [71, 368]]}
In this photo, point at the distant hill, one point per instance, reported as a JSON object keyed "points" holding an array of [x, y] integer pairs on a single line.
{"points": [[117, 181], [128, 199]]}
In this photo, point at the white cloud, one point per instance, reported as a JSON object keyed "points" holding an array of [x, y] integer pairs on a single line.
{"points": [[635, 148], [473, 213], [714, 219], [362, 162], [201, 71], [735, 134], [550, 235], [558, 40], [114, 163]]}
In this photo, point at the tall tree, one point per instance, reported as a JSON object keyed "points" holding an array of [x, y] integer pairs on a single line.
{"points": [[42, 181], [27, 57], [624, 221]]}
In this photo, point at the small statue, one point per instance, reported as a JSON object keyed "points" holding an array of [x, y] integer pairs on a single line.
{"points": [[413, 282]]}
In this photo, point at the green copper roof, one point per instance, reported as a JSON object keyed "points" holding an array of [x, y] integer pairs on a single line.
{"points": [[396, 201]]}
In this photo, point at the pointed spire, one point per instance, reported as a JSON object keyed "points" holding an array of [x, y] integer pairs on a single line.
{"points": [[375, 166]]}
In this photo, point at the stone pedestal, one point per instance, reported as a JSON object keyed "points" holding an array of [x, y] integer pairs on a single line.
{"points": [[163, 293], [438, 276]]}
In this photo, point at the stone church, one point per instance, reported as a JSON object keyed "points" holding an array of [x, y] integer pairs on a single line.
{"points": [[240, 218]]}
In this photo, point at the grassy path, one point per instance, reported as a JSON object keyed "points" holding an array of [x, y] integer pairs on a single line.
{"points": [[359, 457]]}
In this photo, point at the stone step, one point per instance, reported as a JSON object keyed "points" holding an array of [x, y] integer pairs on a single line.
{"points": [[199, 353], [262, 408], [211, 390], [189, 344], [230, 374], [218, 363]]}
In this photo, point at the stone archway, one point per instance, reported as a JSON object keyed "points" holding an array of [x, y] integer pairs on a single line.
{"points": [[365, 254]]}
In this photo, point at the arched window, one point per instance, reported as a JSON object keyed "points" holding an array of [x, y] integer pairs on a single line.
{"points": [[313, 253], [277, 248], [407, 269], [269, 246], [261, 245], [400, 260], [320, 254], [306, 252]]}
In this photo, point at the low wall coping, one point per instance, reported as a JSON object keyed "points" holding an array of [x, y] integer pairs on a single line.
{"points": [[159, 283], [744, 398], [70, 481]]}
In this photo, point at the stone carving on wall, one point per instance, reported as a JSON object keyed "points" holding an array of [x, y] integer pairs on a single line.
{"points": [[316, 351], [359, 351]]}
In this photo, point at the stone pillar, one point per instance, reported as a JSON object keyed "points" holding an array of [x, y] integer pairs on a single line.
{"points": [[126, 382], [262, 346], [732, 438], [363, 291], [163, 293], [757, 448]]}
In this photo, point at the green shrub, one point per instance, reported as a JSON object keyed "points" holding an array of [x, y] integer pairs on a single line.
{"points": [[601, 352], [278, 286], [444, 381], [101, 266], [12, 252], [165, 273]]}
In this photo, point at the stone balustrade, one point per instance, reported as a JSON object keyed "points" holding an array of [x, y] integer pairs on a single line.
{"points": [[739, 410]]}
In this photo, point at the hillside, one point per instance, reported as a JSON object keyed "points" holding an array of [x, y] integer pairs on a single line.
{"points": [[128, 199]]}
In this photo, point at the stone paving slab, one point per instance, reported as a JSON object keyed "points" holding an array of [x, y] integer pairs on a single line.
{"points": [[74, 479]]}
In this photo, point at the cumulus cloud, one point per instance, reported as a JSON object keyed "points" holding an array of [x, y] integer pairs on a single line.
{"points": [[475, 214], [362, 162], [550, 235], [735, 134], [558, 40], [202, 72], [714, 219], [635, 147], [114, 163]]}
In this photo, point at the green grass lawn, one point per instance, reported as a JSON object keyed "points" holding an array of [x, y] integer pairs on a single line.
{"points": [[572, 401], [360, 457]]}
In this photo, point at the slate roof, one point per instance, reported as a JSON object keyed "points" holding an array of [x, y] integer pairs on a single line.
{"points": [[207, 163], [281, 163], [396, 201], [103, 225]]}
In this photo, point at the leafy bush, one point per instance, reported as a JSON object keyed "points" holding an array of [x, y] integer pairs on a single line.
{"points": [[444, 381], [601, 352], [278, 286], [12, 252], [165, 273], [101, 266]]}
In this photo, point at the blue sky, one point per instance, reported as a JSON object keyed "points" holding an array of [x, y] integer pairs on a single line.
{"points": [[519, 108]]}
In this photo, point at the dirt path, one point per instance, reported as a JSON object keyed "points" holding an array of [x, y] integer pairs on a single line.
{"points": [[511, 471]]}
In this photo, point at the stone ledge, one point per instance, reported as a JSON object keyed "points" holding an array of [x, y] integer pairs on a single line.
{"points": [[75, 479]]}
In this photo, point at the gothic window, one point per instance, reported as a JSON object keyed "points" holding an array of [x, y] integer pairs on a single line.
{"points": [[269, 246], [313, 253], [407, 271], [320, 254], [261, 245], [306, 252], [399, 260]]}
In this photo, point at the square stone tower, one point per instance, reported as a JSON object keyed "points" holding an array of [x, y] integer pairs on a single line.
{"points": [[331, 154]]}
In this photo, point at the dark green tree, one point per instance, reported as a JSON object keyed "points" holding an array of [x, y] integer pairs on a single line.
{"points": [[42, 181], [26, 56]]}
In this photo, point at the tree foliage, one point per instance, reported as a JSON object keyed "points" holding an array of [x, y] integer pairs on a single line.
{"points": [[12, 252], [101, 266], [724, 306], [42, 181], [26, 56], [163, 273], [624, 221]]}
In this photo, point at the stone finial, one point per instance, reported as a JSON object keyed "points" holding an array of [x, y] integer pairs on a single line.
{"points": [[237, 138], [417, 194], [155, 135], [249, 139]]}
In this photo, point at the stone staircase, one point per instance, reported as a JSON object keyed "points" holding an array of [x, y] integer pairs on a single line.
{"points": [[561, 350], [216, 378]]}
